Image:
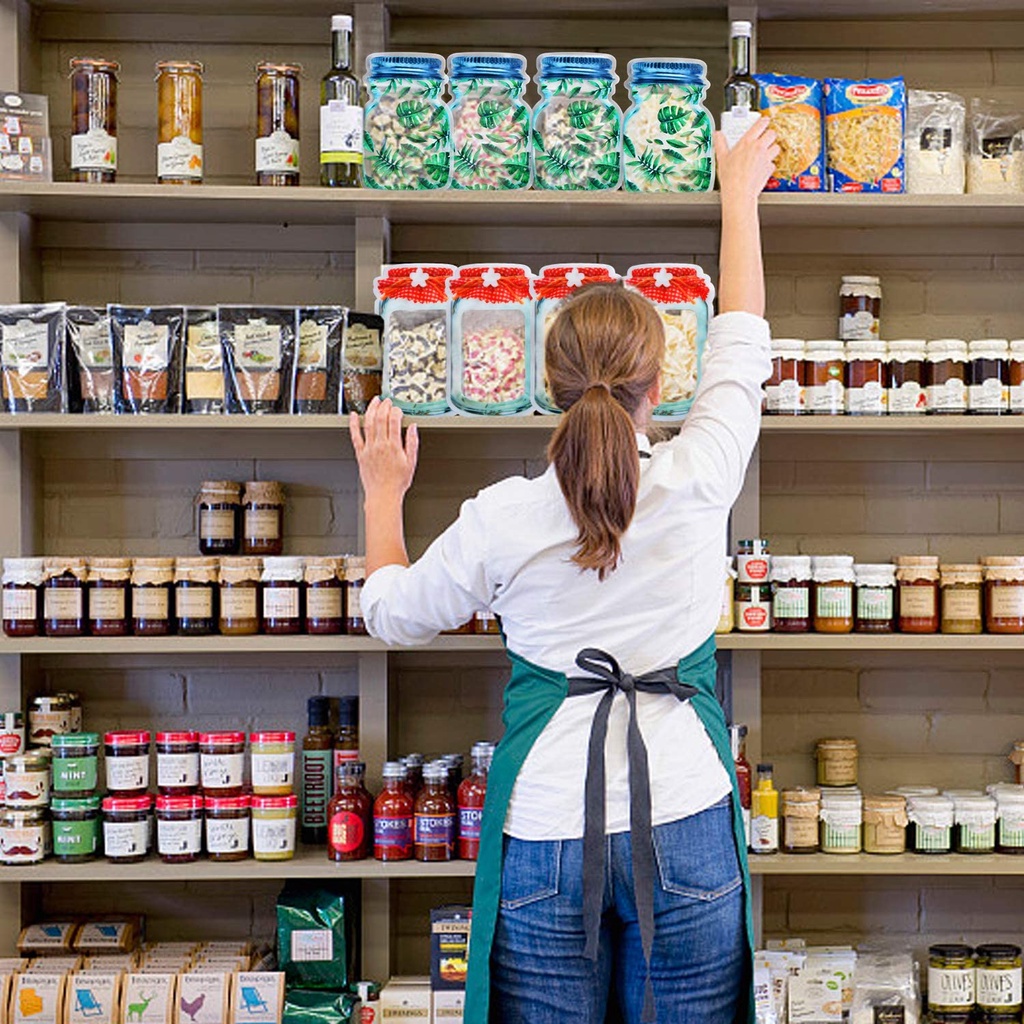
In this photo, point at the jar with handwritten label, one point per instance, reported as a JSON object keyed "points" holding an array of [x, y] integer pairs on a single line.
{"points": [[227, 827], [64, 587], [222, 762], [126, 828], [179, 828], [274, 826], [177, 763], [284, 594], [220, 517], [152, 599], [239, 598], [263, 527], [195, 596], [1004, 593], [109, 584], [21, 587], [917, 578], [273, 763], [325, 596], [127, 762]]}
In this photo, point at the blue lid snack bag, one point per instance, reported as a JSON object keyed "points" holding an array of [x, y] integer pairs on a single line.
{"points": [[864, 130], [793, 105]]}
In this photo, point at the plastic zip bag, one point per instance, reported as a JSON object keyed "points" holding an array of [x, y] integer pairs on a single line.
{"points": [[936, 125]]}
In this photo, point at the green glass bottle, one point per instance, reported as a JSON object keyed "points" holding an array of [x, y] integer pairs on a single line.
{"points": [[341, 115]]}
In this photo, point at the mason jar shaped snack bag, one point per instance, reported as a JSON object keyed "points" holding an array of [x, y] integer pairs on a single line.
{"points": [[413, 300], [683, 295], [407, 139], [492, 324], [577, 126], [259, 353], [555, 283]]}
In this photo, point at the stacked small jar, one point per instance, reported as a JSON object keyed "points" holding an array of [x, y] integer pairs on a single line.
{"points": [[982, 984]]}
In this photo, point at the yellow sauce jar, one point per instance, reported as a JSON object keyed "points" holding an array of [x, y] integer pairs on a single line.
{"points": [[273, 763], [274, 820]]}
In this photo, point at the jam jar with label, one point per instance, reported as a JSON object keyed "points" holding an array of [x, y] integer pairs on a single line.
{"points": [[126, 826], [907, 380], [49, 716], [179, 828], [227, 827], [284, 585], [273, 763], [917, 578], [109, 585], [220, 518], [824, 375], [876, 598], [833, 593], [860, 308], [25, 836], [222, 762], [1016, 375], [355, 577], [27, 778], [177, 763], [325, 596], [76, 829], [195, 596], [784, 390], [152, 596], [1004, 593], [127, 761], [947, 376], [988, 389], [75, 765], [961, 601], [263, 518], [274, 827], [791, 593], [21, 588], [240, 596], [64, 585], [866, 378]]}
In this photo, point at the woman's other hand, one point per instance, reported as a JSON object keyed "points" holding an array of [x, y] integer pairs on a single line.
{"points": [[744, 170], [386, 464]]}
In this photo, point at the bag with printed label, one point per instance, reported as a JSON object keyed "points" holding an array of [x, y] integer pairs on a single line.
{"points": [[318, 363], [312, 947], [91, 372], [864, 123], [204, 362], [32, 357], [793, 106], [148, 347], [259, 353]]}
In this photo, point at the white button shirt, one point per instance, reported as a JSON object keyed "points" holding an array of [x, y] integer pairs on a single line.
{"points": [[510, 552]]}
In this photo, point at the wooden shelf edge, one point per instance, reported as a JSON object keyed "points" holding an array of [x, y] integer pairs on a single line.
{"points": [[906, 864]]}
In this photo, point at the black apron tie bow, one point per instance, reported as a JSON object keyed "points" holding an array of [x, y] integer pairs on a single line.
{"points": [[607, 677]]}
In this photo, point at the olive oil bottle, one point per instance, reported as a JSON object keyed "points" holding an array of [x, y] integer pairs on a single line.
{"points": [[341, 114]]}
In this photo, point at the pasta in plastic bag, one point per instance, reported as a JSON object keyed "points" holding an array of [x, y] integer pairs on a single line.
{"points": [[793, 105], [864, 129], [996, 162], [935, 143]]}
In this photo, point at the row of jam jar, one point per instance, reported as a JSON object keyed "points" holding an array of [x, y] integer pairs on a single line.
{"points": [[109, 597], [833, 594], [899, 378]]}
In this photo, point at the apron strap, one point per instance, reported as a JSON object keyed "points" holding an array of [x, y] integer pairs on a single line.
{"points": [[606, 677]]}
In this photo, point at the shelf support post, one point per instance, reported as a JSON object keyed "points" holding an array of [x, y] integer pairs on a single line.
{"points": [[373, 250]]}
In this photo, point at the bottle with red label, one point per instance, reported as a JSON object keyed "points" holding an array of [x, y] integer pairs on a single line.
{"points": [[350, 817], [744, 775], [393, 817], [435, 816], [472, 793]]}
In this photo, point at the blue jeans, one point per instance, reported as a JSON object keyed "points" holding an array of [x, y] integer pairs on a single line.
{"points": [[538, 972]]}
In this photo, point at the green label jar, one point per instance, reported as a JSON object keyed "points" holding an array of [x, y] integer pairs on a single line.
{"points": [[76, 764], [76, 829]]}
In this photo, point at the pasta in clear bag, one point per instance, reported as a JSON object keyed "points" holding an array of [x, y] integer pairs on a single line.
{"points": [[996, 162], [864, 130], [935, 143], [683, 294]]}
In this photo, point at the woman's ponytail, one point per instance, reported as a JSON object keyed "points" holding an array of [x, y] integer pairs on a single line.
{"points": [[603, 355]]}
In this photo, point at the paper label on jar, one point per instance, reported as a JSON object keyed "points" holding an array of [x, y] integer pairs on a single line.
{"points": [[22, 845], [177, 770], [125, 774], [801, 832], [43, 725], [227, 835], [27, 789], [948, 397], [272, 771], [179, 158], [910, 397], [216, 524], [950, 987], [20, 605], [203, 349], [363, 350], [752, 568], [281, 603], [989, 396], [179, 838], [825, 398], [273, 835], [62, 603], [354, 602], [998, 987], [859, 326], [341, 133], [96, 150], [238, 603], [312, 345], [834, 602], [150, 603], [869, 399], [262, 524], [786, 396], [323, 603], [1006, 601], [791, 602], [917, 602], [277, 153], [753, 616], [25, 346], [1017, 398], [764, 833], [875, 604], [194, 602], [222, 771], [257, 346], [146, 347], [961, 604], [107, 602], [125, 839]]}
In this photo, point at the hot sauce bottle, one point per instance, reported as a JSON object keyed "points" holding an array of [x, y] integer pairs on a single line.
{"points": [[435, 816], [472, 793], [350, 825], [744, 776], [393, 817], [317, 757]]}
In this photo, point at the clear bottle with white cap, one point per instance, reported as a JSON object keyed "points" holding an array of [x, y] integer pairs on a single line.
{"points": [[740, 110], [341, 114]]}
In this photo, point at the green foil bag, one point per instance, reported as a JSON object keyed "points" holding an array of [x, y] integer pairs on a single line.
{"points": [[304, 1006], [311, 939]]}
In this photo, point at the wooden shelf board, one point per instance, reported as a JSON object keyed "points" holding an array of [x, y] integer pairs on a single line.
{"points": [[866, 642], [893, 864]]}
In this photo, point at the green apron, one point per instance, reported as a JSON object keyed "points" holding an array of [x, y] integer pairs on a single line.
{"points": [[532, 697]]}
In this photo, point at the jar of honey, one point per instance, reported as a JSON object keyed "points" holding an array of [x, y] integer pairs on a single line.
{"points": [[179, 151], [109, 585], [1004, 594], [917, 579], [240, 596]]}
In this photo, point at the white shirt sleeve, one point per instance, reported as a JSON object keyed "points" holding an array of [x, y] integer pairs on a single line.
{"points": [[721, 429], [408, 606]]}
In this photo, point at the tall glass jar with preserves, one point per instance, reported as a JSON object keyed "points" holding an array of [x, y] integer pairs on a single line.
{"points": [[917, 578], [1004, 593], [94, 120], [277, 124], [577, 126], [179, 151], [667, 133], [407, 142], [490, 121]]}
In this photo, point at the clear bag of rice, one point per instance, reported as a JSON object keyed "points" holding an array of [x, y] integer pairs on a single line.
{"points": [[995, 162], [936, 128]]}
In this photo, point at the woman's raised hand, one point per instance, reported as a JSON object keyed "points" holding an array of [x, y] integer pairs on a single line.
{"points": [[744, 170], [386, 465]]}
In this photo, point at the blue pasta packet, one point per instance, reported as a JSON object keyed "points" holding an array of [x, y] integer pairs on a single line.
{"points": [[864, 123], [793, 105]]}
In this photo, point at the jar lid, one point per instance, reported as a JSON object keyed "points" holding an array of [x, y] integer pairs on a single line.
{"points": [[31, 762], [229, 803], [220, 739], [998, 951], [355, 568], [1008, 796], [283, 69], [902, 345], [915, 792], [931, 801], [393, 770], [152, 571], [961, 573], [980, 802], [23, 571], [1003, 569], [825, 347], [50, 701], [179, 65], [947, 348], [960, 794], [675, 70], [910, 568], [271, 737], [322, 570], [866, 279], [842, 796], [507, 66], [790, 567], [126, 739], [82, 803], [928, 561], [576, 65], [882, 574], [177, 737], [950, 951], [801, 795], [127, 803], [274, 803], [240, 570], [837, 743], [97, 63], [284, 569], [227, 486], [405, 65], [993, 348], [196, 570], [794, 346], [885, 802], [866, 349], [833, 568], [1017, 348], [179, 803], [153, 563], [435, 772], [76, 567], [75, 739], [264, 492], [109, 570]]}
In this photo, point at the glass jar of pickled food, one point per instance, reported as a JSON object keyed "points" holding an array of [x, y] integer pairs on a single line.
{"points": [[355, 577], [325, 596], [961, 598], [800, 812], [240, 596], [152, 596], [273, 763], [975, 822], [64, 584], [833, 593], [837, 762], [274, 822], [76, 829], [25, 835], [667, 132], [407, 129], [1004, 594], [177, 763], [277, 124], [917, 579], [885, 824], [179, 151], [21, 587], [841, 821], [220, 518], [222, 762], [876, 598], [283, 596], [951, 978], [490, 121], [27, 778], [931, 823], [227, 827], [127, 762], [263, 526], [790, 577], [94, 120], [109, 584], [179, 828], [997, 983], [49, 715], [75, 764], [126, 828], [195, 596]]}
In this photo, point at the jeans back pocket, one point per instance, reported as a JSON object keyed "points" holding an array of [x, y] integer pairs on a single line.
{"points": [[697, 855], [530, 871]]}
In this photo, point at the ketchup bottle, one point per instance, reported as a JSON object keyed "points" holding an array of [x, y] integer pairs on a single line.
{"points": [[472, 792], [350, 817], [393, 816]]}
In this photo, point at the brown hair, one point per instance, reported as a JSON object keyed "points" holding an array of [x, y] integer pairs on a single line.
{"points": [[603, 354]]}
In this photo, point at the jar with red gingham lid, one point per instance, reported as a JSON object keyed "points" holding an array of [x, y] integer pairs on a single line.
{"points": [[683, 295], [413, 301], [491, 369], [551, 287]]}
